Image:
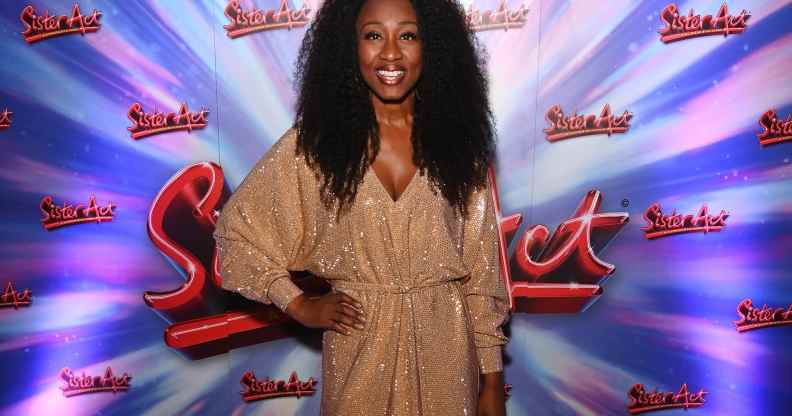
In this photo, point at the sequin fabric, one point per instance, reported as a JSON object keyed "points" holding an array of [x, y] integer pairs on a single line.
{"points": [[427, 278]]}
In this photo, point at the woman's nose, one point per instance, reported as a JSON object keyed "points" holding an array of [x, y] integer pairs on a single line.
{"points": [[390, 50]]}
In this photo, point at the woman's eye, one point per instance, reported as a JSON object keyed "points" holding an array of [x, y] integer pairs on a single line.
{"points": [[372, 35], [409, 36]]}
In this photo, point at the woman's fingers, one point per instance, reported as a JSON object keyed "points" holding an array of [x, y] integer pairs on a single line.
{"points": [[343, 318], [341, 328], [350, 300], [348, 311]]}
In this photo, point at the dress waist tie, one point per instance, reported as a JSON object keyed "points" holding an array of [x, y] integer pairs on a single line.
{"points": [[386, 288]]}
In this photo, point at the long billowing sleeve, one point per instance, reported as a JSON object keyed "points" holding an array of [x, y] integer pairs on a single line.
{"points": [[260, 231], [485, 292]]}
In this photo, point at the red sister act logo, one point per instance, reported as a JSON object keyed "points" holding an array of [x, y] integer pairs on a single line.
{"points": [[567, 127], [254, 389], [642, 401], [58, 216], [558, 273], [200, 322], [679, 27], [660, 225], [774, 130], [754, 318], [83, 384], [13, 299], [40, 27], [146, 124], [5, 119], [500, 18], [243, 22]]}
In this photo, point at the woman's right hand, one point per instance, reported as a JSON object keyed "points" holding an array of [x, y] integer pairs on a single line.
{"points": [[335, 310]]}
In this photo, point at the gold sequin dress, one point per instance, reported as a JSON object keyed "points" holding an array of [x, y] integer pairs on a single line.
{"points": [[428, 281]]}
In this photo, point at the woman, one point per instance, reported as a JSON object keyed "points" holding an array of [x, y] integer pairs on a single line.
{"points": [[381, 188]]}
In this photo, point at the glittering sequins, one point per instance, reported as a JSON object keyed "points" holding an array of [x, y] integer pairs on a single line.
{"points": [[428, 281]]}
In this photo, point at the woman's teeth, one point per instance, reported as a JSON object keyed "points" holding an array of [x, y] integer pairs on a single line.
{"points": [[390, 76], [390, 73]]}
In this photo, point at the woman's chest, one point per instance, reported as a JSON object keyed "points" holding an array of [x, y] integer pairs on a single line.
{"points": [[414, 234]]}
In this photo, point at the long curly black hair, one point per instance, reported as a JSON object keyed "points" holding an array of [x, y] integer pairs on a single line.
{"points": [[453, 135]]}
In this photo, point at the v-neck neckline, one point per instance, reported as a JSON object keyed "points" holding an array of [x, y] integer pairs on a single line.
{"points": [[385, 190]]}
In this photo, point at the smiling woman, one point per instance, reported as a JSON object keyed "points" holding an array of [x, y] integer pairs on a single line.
{"points": [[380, 188], [389, 49]]}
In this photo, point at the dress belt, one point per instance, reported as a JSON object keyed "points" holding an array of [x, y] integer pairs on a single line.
{"points": [[377, 287]]}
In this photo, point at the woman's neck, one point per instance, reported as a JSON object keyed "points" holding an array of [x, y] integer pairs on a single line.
{"points": [[394, 114]]}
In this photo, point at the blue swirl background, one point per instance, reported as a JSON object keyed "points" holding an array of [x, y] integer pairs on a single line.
{"points": [[665, 318]]}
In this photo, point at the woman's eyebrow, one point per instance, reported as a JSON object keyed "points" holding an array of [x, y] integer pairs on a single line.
{"points": [[375, 23]]}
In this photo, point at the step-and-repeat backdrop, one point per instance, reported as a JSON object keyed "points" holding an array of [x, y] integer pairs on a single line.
{"points": [[644, 184]]}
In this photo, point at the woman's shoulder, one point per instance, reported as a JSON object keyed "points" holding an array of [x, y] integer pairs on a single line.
{"points": [[284, 159], [281, 170], [284, 148], [283, 154]]}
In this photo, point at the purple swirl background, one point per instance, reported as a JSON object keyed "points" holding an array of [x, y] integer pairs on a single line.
{"points": [[665, 318]]}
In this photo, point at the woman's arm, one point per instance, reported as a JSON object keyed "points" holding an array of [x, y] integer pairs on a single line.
{"points": [[260, 230], [492, 399], [261, 235], [485, 292], [486, 298]]}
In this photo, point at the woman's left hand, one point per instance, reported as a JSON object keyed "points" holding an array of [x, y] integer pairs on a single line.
{"points": [[492, 398]]}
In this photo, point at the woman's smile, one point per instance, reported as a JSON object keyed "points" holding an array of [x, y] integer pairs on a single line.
{"points": [[391, 75]]}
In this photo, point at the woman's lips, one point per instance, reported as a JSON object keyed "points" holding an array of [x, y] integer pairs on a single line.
{"points": [[390, 77]]}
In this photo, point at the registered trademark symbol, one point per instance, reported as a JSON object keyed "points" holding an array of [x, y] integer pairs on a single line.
{"points": [[625, 202]]}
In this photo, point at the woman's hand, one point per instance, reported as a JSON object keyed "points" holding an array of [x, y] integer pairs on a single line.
{"points": [[492, 398], [335, 310]]}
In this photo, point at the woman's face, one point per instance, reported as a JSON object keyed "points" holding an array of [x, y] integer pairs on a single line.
{"points": [[389, 49]]}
